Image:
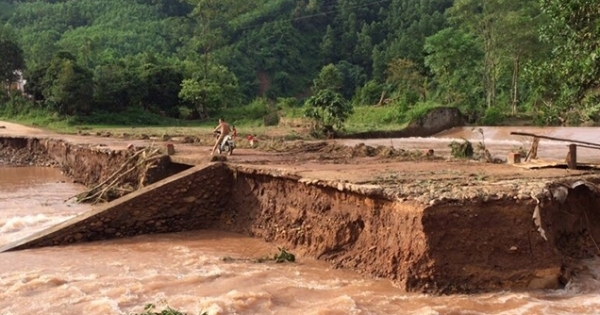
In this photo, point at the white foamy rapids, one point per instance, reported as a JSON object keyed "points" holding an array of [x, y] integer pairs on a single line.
{"points": [[13, 228], [586, 277]]}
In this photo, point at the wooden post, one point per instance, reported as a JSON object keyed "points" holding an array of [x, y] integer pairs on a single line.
{"points": [[532, 154], [170, 149], [572, 157]]}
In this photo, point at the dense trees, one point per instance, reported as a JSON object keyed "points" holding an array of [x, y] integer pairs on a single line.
{"points": [[11, 59], [175, 57], [569, 80]]}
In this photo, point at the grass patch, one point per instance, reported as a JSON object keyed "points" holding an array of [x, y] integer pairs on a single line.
{"points": [[258, 118], [419, 111], [368, 118]]}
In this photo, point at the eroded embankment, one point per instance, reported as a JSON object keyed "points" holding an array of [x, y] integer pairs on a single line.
{"points": [[454, 246], [85, 164], [458, 246]]}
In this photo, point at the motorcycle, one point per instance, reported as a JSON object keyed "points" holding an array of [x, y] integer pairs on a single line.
{"points": [[227, 144]]}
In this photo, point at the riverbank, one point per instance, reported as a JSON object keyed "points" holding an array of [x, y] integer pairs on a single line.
{"points": [[429, 223]]}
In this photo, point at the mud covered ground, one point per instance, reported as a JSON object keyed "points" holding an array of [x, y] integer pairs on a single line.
{"points": [[415, 174]]}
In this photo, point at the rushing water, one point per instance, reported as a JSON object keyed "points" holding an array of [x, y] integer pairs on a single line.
{"points": [[500, 142], [187, 271]]}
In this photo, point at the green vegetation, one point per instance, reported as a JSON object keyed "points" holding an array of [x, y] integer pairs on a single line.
{"points": [[163, 62], [461, 150], [283, 256], [149, 309]]}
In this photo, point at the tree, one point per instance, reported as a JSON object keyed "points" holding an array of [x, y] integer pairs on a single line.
{"points": [[330, 78], [353, 77], [403, 75], [11, 60], [569, 81], [327, 46], [327, 107], [480, 18], [454, 57], [520, 43], [408, 23], [161, 85], [68, 87], [116, 87], [211, 92]]}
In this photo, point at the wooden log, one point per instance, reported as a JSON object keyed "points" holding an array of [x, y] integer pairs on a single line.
{"points": [[597, 145], [587, 147]]}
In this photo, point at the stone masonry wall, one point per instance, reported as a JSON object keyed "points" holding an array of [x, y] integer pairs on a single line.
{"points": [[190, 200]]}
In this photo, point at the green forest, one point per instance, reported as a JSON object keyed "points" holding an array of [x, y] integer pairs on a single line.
{"points": [[107, 61]]}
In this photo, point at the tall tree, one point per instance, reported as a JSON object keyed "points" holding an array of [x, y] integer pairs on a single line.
{"points": [[569, 81], [480, 18], [11, 60], [520, 42], [211, 93], [69, 88], [455, 59], [327, 107]]}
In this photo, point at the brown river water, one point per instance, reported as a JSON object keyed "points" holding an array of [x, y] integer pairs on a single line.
{"points": [[187, 272], [500, 142]]}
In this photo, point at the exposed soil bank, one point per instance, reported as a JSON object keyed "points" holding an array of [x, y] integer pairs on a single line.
{"points": [[463, 246], [24, 152], [478, 244], [85, 164]]}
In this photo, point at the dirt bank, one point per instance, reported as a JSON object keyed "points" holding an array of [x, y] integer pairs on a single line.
{"points": [[20, 151], [89, 164], [454, 247]]}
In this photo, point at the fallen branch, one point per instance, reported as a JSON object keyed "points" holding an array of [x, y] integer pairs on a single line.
{"points": [[99, 192]]}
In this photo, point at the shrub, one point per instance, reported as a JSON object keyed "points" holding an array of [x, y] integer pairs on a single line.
{"points": [[493, 116], [369, 94], [287, 102], [149, 309], [461, 149]]}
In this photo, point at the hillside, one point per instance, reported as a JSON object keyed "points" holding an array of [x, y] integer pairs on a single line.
{"points": [[194, 59]]}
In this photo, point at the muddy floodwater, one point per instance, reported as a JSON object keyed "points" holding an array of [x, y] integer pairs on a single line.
{"points": [[500, 142], [209, 271]]}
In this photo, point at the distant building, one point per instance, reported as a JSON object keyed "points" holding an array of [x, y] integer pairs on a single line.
{"points": [[20, 82], [18, 85]]}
